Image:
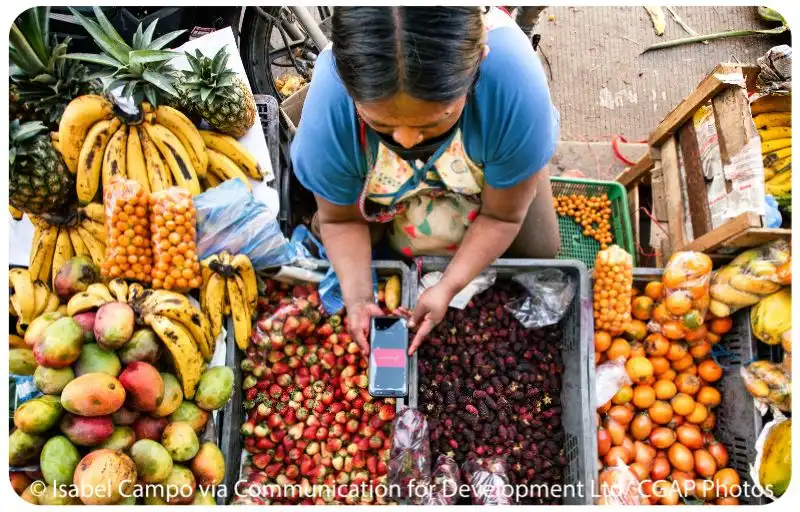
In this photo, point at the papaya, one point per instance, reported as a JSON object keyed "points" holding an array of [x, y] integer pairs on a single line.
{"points": [[772, 317], [775, 469]]}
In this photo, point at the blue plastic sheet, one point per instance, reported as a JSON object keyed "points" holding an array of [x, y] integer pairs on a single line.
{"points": [[774, 219]]}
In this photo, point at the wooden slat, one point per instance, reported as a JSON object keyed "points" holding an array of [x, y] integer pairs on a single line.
{"points": [[633, 210], [708, 88], [753, 237], [717, 238], [659, 194], [672, 188], [699, 211], [635, 172], [733, 121]]}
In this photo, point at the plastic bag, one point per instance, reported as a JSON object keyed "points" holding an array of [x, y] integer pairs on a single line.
{"points": [[609, 378], [483, 282], [772, 317], [752, 275], [686, 297], [230, 218], [769, 383], [786, 344], [292, 313], [445, 482], [550, 293], [410, 458], [128, 251], [619, 486], [172, 223], [488, 481], [772, 470], [776, 70], [613, 282]]}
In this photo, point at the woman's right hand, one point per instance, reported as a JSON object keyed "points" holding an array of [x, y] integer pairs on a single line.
{"points": [[359, 318]]}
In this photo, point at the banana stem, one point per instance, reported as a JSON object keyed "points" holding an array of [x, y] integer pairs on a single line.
{"points": [[715, 35]]}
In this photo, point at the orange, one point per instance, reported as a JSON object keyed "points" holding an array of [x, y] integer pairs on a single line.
{"points": [[660, 314], [598, 357], [683, 363], [696, 334], [713, 337], [698, 264], [682, 404], [709, 370], [654, 289], [664, 389], [700, 350], [687, 383], [602, 340], [678, 303], [721, 325], [636, 330], [676, 351], [673, 277], [619, 349], [637, 349], [660, 364], [661, 412], [642, 308], [623, 396], [644, 396], [698, 414], [672, 330], [656, 344], [708, 396], [639, 369], [668, 375]]}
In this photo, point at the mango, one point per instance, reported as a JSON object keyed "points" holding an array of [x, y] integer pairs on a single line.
{"points": [[38, 415], [147, 427], [58, 461], [75, 276], [130, 500], [94, 359], [153, 500], [143, 385], [204, 496], [179, 487], [85, 431], [180, 440], [120, 440], [93, 394], [61, 345], [21, 361], [57, 496], [215, 388], [144, 346], [86, 321], [189, 413], [124, 416], [173, 396], [52, 381], [111, 471], [113, 325], [24, 448], [208, 465], [153, 461], [30, 496], [19, 481], [35, 332]]}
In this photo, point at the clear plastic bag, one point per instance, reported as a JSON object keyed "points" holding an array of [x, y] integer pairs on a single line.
{"points": [[550, 293], [613, 282], [483, 282], [291, 314], [686, 297], [128, 251], [488, 481], [752, 275], [174, 235], [230, 218], [769, 383], [609, 378], [410, 458], [445, 482], [619, 486]]}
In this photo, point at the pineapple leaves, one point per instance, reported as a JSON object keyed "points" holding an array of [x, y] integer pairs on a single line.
{"points": [[30, 23], [147, 38], [137, 38], [150, 56], [164, 40], [204, 93], [105, 42], [109, 29], [151, 95], [24, 56], [160, 81], [103, 60]]}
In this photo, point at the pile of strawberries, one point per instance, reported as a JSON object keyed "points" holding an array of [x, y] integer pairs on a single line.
{"points": [[311, 424]]}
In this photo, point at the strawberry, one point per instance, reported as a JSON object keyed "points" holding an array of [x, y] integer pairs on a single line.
{"points": [[277, 435], [296, 396], [265, 444], [313, 421], [284, 380], [349, 371], [372, 464], [273, 470], [300, 292], [351, 359], [274, 420], [382, 468], [351, 395], [277, 341], [369, 408], [295, 431], [275, 356], [375, 443], [366, 396], [386, 412], [310, 359], [358, 403], [359, 461], [352, 425], [294, 362], [363, 444], [308, 392], [325, 461], [250, 394], [290, 349], [328, 361], [305, 326], [336, 430], [313, 299], [308, 403], [294, 453], [306, 466], [376, 422], [352, 348], [316, 371], [250, 444], [352, 449], [342, 479], [312, 448], [327, 397], [318, 386], [348, 463], [261, 460], [338, 350], [285, 397], [289, 416], [319, 407], [326, 418], [282, 480], [261, 430], [275, 391], [301, 413], [359, 477], [309, 433], [290, 326], [334, 444], [361, 380], [247, 428], [337, 462]]}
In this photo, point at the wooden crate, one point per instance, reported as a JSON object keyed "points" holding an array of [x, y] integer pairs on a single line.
{"points": [[656, 181]]}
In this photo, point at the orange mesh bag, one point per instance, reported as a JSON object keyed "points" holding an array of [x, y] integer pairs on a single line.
{"points": [[128, 252], [173, 226]]}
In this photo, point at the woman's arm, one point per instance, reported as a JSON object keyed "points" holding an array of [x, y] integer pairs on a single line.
{"points": [[345, 235], [492, 232]]}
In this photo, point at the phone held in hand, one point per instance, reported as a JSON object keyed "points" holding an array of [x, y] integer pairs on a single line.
{"points": [[388, 357]]}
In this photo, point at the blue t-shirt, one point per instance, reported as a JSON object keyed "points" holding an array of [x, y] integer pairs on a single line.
{"points": [[509, 125]]}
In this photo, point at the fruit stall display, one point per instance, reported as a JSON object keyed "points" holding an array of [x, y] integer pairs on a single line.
{"points": [[772, 115]]}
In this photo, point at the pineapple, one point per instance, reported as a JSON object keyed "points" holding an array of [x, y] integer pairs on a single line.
{"points": [[38, 179], [42, 81], [141, 70], [218, 94]]}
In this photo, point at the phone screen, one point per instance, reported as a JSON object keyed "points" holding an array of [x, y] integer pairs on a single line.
{"points": [[388, 357]]}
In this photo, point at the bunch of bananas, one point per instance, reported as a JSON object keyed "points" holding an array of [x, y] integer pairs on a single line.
{"points": [[81, 234], [773, 118], [29, 299], [230, 288], [160, 149]]}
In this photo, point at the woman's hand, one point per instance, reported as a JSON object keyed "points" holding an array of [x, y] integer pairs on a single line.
{"points": [[359, 318], [430, 310]]}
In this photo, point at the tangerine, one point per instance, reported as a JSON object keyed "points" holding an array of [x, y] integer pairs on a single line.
{"points": [[660, 365], [619, 349], [642, 307], [721, 325], [656, 344], [644, 396], [682, 404], [709, 370], [654, 290], [639, 369], [665, 389], [678, 303], [602, 340], [672, 330]]}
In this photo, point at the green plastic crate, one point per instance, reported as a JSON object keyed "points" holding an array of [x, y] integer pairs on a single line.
{"points": [[576, 246]]}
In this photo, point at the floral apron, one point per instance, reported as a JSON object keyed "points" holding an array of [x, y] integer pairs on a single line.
{"points": [[430, 204]]}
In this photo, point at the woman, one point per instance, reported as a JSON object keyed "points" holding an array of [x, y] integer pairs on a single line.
{"points": [[435, 122]]}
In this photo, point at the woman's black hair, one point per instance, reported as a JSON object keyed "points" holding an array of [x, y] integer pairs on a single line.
{"points": [[430, 53]]}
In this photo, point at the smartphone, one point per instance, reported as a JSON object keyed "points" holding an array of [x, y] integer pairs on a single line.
{"points": [[388, 357]]}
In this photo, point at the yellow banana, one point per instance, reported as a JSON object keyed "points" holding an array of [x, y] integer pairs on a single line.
{"points": [[177, 307], [15, 214], [771, 159], [119, 289], [135, 291], [774, 145], [777, 132], [19, 279], [187, 132], [77, 243], [781, 178], [62, 308], [100, 290], [186, 357], [79, 116], [42, 252], [731, 296], [52, 303], [771, 103], [157, 172], [91, 159], [780, 189], [214, 299], [97, 250], [136, 167], [751, 284], [41, 295], [211, 180], [63, 252], [176, 157], [37, 237], [115, 161], [771, 119], [84, 301], [245, 269], [97, 230], [231, 148], [221, 165], [239, 313], [95, 212]]}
